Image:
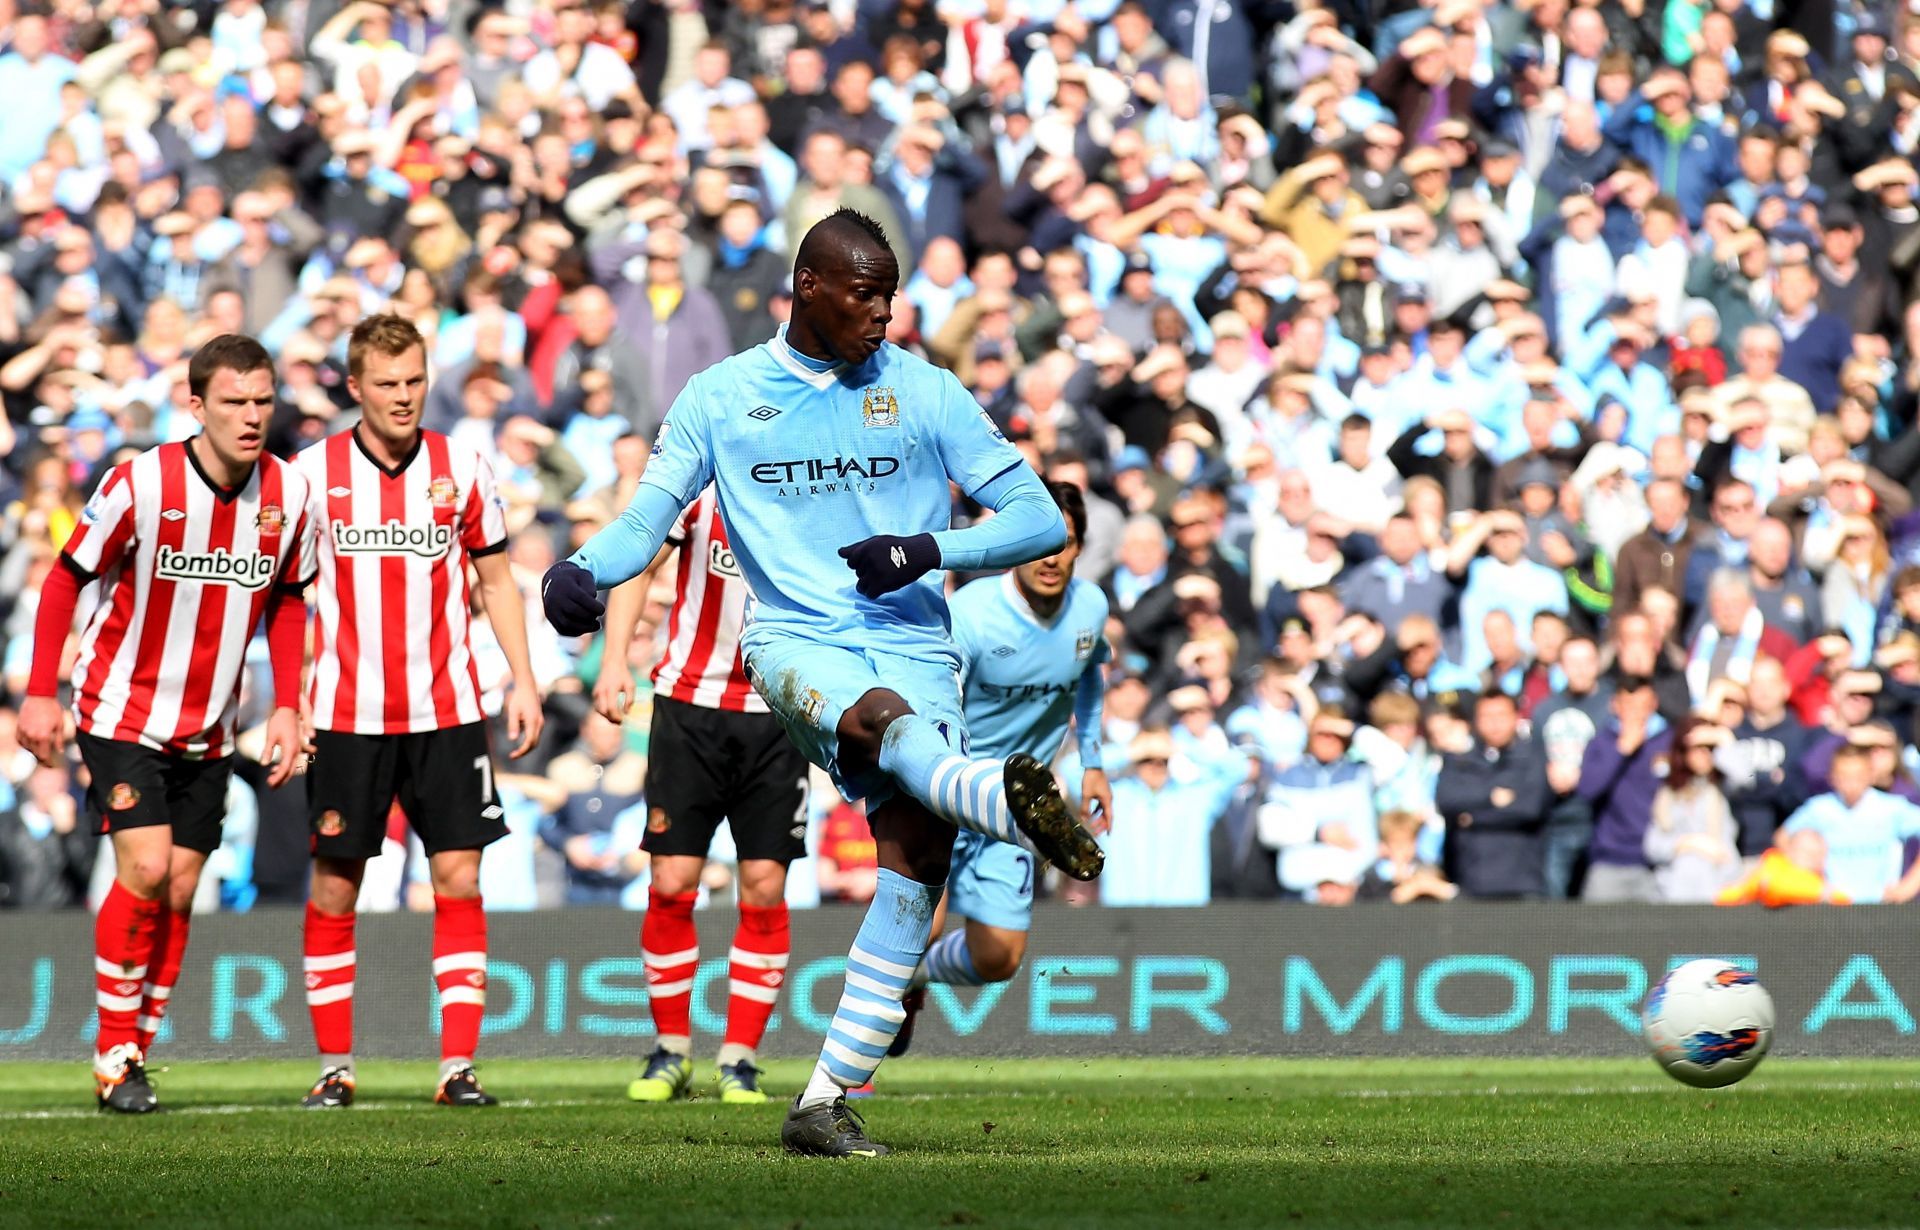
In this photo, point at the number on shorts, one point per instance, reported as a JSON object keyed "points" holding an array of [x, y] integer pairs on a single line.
{"points": [[484, 763], [1026, 873]]}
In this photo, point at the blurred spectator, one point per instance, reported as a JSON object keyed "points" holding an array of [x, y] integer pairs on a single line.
{"points": [[1495, 799], [1734, 634], [1760, 766], [1865, 831], [1563, 724], [1619, 777], [46, 853], [678, 327], [1692, 840], [1399, 875], [1158, 846], [1791, 873], [602, 779], [849, 861], [1319, 811]]}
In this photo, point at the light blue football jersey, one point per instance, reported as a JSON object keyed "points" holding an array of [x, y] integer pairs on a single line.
{"points": [[1020, 674], [807, 462]]}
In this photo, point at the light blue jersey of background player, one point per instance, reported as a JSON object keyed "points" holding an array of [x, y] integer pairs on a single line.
{"points": [[1025, 679], [1032, 645]]}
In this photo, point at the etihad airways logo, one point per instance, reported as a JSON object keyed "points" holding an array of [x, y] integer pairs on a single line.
{"points": [[392, 538], [826, 475], [215, 567]]}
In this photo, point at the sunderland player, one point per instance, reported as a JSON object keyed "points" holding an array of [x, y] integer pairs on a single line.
{"points": [[828, 437], [720, 755], [1032, 643], [190, 544], [395, 697]]}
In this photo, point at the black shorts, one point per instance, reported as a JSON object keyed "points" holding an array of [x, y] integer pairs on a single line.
{"points": [[708, 765], [136, 787], [442, 779]]}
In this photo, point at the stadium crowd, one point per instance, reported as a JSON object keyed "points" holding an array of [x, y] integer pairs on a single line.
{"points": [[1497, 420]]}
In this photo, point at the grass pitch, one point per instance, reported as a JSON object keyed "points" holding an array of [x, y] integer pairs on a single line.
{"points": [[1107, 1144]]}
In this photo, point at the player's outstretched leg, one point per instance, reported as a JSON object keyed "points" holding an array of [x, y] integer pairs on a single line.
{"points": [[670, 952], [892, 938], [460, 970], [756, 967], [123, 935], [1017, 802]]}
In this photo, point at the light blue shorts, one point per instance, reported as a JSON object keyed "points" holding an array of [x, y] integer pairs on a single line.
{"points": [[991, 882], [809, 685]]}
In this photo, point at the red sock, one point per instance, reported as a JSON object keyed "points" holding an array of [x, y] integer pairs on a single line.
{"points": [[670, 949], [756, 968], [330, 963], [122, 947], [460, 970], [169, 945]]}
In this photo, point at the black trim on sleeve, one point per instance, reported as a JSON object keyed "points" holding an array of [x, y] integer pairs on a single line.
{"points": [[73, 566], [483, 552], [996, 478]]}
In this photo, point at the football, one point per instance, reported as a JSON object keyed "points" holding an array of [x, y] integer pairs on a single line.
{"points": [[1708, 1023]]}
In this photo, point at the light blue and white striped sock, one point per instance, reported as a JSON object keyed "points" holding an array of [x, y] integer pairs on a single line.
{"points": [[967, 793], [892, 938], [949, 960]]}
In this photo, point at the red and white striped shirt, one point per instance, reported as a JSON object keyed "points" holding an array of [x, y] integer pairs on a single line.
{"points": [[702, 664], [392, 653], [185, 568]]}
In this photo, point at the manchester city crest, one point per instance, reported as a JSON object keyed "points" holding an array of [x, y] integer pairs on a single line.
{"points": [[1083, 644], [879, 408]]}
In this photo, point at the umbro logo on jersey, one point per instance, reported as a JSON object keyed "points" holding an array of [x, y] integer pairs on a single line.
{"points": [[763, 413], [218, 567], [173, 514], [339, 493], [392, 538], [899, 557], [1004, 651], [491, 811]]}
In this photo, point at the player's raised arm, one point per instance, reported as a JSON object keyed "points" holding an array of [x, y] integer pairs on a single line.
{"points": [[1026, 524], [681, 466]]}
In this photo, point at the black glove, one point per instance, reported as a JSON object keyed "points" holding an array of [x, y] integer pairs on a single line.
{"points": [[887, 562], [572, 600]]}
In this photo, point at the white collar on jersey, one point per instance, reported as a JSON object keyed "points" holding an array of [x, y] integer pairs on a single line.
{"points": [[784, 356], [1024, 609]]}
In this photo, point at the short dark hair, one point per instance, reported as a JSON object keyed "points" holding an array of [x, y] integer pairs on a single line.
{"points": [[230, 351], [1073, 506], [385, 334], [847, 213]]}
